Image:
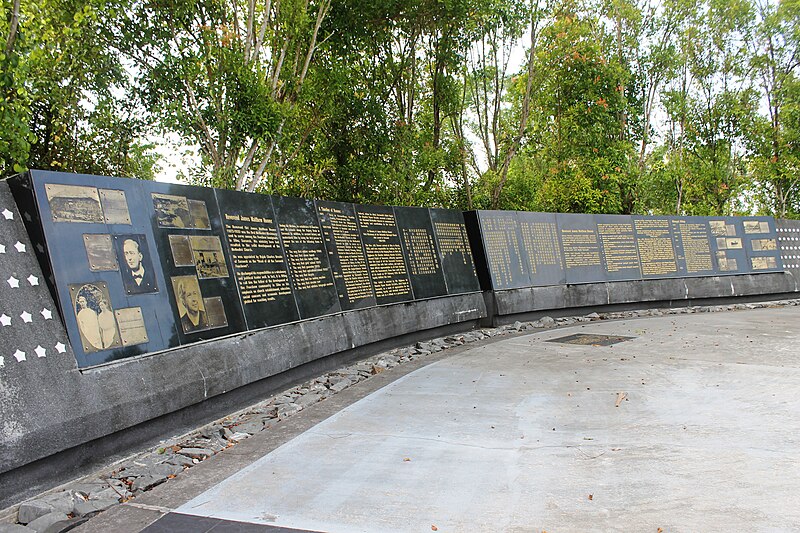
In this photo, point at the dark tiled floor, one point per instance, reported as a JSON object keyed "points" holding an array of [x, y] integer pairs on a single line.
{"points": [[183, 523]]}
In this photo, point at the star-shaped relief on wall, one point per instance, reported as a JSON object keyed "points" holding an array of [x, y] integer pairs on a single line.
{"points": [[33, 280], [19, 356], [20, 247], [2, 361], [60, 348], [5, 320], [40, 352], [13, 282], [46, 313], [8, 214], [2, 249], [26, 317]]}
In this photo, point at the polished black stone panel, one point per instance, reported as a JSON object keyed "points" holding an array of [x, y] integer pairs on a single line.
{"points": [[505, 257], [309, 270], [542, 245], [200, 284], [761, 244], [580, 246], [618, 245], [692, 241], [387, 265], [451, 236], [257, 258], [789, 243], [104, 321], [727, 245], [421, 252], [655, 242], [346, 254]]}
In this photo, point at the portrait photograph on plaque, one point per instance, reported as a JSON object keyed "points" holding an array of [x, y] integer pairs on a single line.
{"points": [[100, 252], [115, 206], [190, 304], [96, 322], [208, 256], [171, 211], [74, 203], [136, 267]]}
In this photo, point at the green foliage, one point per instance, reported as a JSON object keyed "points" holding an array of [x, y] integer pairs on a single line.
{"points": [[63, 103]]}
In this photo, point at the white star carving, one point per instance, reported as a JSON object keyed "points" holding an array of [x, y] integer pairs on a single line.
{"points": [[5, 320], [20, 247], [60, 348], [2, 249], [19, 356], [26, 317], [46, 313], [33, 280], [8, 214], [2, 361], [40, 248], [40, 352], [13, 282]]}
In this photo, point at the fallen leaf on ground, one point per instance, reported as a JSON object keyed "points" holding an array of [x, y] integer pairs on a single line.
{"points": [[620, 397]]}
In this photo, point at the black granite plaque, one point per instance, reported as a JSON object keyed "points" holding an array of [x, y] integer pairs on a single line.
{"points": [[539, 233], [692, 242], [91, 300], [346, 254], [385, 259], [203, 297], [618, 245], [789, 243], [727, 245], [505, 257], [761, 244], [421, 253], [257, 259], [581, 248], [309, 269], [656, 250], [454, 251]]}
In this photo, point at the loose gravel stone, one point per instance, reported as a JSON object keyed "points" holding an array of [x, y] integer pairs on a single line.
{"points": [[196, 453], [147, 482], [93, 506], [42, 523], [14, 528], [33, 509]]}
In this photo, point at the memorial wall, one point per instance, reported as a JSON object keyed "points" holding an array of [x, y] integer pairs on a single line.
{"points": [[139, 267], [515, 250]]}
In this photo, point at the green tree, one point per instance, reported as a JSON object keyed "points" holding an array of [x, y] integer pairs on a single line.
{"points": [[775, 142]]}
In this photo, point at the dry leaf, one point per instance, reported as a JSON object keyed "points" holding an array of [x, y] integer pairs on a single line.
{"points": [[620, 397], [434, 528], [406, 459], [590, 497]]}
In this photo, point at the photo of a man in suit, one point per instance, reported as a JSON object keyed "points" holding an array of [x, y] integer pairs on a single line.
{"points": [[137, 272]]}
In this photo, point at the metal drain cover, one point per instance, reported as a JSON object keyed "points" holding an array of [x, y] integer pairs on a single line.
{"points": [[586, 339]]}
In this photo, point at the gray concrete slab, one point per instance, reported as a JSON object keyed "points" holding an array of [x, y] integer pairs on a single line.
{"points": [[526, 435]]}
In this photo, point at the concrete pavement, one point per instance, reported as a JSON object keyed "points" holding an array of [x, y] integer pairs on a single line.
{"points": [[691, 425]]}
